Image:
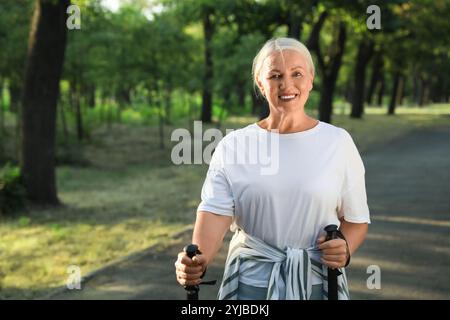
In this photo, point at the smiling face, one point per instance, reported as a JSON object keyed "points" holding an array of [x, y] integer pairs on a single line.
{"points": [[285, 80]]}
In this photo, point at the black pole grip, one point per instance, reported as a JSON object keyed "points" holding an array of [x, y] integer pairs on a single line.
{"points": [[191, 291], [331, 231]]}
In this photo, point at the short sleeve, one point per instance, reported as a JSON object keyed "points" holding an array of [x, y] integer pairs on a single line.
{"points": [[353, 205], [216, 192]]}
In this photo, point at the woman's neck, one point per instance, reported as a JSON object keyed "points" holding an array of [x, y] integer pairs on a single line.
{"points": [[288, 123]]}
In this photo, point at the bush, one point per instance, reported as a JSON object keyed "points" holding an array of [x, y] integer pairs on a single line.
{"points": [[12, 190]]}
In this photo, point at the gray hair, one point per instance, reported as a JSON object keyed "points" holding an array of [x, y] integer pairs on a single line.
{"points": [[279, 44]]}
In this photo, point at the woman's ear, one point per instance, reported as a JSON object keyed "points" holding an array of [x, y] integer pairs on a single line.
{"points": [[310, 86], [260, 87]]}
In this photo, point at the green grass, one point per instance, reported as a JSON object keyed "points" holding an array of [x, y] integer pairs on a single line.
{"points": [[130, 197], [106, 215]]}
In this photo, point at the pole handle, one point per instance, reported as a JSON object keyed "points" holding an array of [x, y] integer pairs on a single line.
{"points": [[191, 291]]}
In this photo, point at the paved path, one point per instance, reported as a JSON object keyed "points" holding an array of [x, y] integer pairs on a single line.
{"points": [[408, 185]]}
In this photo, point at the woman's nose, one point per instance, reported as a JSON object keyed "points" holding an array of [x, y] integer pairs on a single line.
{"points": [[285, 83]]}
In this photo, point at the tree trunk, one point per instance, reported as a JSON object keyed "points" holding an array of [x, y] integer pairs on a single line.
{"points": [[14, 96], [123, 96], [208, 29], [123, 99], [330, 66], [159, 105], [326, 100], [348, 91], [161, 123], [45, 59], [394, 93], [401, 91], [76, 107], [191, 117], [168, 106], [436, 90], [422, 92], [381, 88], [91, 96], [78, 115], [377, 69], [329, 76], [2, 116], [426, 94], [63, 122], [415, 89], [365, 51]]}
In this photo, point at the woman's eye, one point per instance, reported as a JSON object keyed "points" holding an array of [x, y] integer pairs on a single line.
{"points": [[298, 75], [275, 76]]}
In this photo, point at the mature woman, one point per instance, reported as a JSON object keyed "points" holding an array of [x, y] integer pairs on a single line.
{"points": [[279, 250]]}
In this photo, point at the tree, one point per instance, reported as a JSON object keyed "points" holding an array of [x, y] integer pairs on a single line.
{"points": [[365, 52], [208, 31], [329, 63], [45, 58], [376, 77]]}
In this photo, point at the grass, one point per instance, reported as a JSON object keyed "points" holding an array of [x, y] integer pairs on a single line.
{"points": [[130, 197]]}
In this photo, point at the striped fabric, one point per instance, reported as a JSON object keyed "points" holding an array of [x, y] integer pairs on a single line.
{"points": [[292, 267]]}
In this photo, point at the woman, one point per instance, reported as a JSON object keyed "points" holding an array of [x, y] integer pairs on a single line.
{"points": [[279, 250]]}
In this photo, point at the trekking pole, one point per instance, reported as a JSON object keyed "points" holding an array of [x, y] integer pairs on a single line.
{"points": [[332, 230], [191, 291]]}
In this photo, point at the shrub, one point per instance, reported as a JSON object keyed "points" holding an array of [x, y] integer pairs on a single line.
{"points": [[12, 190]]}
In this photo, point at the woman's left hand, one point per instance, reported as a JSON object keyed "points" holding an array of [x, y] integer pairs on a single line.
{"points": [[334, 252]]}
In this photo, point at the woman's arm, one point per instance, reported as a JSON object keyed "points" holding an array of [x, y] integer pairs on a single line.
{"points": [[354, 233], [209, 231]]}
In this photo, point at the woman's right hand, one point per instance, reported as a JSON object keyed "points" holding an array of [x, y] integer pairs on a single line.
{"points": [[189, 271]]}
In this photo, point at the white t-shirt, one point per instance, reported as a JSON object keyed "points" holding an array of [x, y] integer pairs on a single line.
{"points": [[314, 177]]}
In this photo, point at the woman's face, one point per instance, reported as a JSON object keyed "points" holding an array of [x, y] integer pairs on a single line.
{"points": [[285, 80]]}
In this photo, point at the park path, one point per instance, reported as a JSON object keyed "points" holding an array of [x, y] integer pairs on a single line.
{"points": [[408, 186]]}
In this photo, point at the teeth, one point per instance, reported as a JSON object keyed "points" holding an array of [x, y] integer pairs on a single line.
{"points": [[287, 97]]}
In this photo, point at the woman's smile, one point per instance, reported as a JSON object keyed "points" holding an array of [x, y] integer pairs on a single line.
{"points": [[287, 97]]}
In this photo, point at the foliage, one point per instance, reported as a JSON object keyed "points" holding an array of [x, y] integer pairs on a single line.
{"points": [[12, 191]]}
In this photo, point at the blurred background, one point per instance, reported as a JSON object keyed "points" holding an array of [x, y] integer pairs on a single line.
{"points": [[89, 99]]}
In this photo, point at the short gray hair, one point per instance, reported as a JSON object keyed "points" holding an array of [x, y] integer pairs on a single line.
{"points": [[279, 44]]}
